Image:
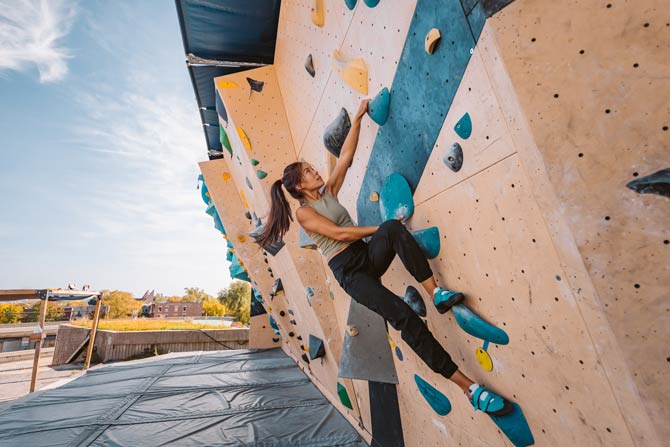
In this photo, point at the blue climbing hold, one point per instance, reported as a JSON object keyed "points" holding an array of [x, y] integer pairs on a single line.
{"points": [[378, 108], [429, 241], [371, 3], [396, 199], [211, 210], [218, 224], [435, 398], [515, 427], [351, 4], [398, 353], [475, 326], [305, 240], [464, 127], [414, 300]]}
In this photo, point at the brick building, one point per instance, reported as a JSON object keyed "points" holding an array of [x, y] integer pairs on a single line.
{"points": [[176, 309]]}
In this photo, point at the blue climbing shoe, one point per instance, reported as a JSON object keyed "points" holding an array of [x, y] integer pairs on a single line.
{"points": [[446, 299], [488, 402]]}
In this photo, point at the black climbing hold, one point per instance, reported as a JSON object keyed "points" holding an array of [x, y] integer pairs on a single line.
{"points": [[415, 301], [290, 312], [656, 183], [305, 358], [299, 337], [336, 133], [309, 66], [275, 340], [256, 86], [256, 303], [291, 334], [453, 157], [293, 322], [316, 347], [282, 313], [247, 214]]}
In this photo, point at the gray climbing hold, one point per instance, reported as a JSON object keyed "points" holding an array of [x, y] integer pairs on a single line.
{"points": [[305, 240], [277, 288], [415, 301], [316, 347], [453, 157], [309, 66], [256, 86], [249, 183], [656, 183], [336, 133]]}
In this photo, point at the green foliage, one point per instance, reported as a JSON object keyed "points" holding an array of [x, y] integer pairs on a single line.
{"points": [[31, 312], [237, 299], [10, 313], [213, 308], [194, 294]]}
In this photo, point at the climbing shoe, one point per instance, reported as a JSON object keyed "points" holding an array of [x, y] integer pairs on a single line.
{"points": [[489, 402], [446, 299]]}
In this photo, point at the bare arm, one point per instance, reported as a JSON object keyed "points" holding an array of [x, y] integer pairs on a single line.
{"points": [[314, 222], [336, 178]]}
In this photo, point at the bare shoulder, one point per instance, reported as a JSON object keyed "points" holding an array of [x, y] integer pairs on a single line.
{"points": [[303, 212]]}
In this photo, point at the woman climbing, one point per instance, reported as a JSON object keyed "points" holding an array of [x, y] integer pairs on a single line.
{"points": [[358, 266]]}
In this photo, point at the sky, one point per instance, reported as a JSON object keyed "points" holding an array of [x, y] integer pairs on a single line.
{"points": [[99, 143]]}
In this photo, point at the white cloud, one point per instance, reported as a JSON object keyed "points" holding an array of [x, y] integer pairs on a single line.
{"points": [[30, 34]]}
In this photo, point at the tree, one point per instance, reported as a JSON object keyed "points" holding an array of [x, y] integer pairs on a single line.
{"points": [[194, 294], [121, 304], [10, 313], [213, 308], [31, 312], [237, 299]]}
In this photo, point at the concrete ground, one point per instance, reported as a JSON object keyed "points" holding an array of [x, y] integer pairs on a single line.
{"points": [[15, 376]]}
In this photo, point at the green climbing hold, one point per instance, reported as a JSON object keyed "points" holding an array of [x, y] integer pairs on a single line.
{"points": [[351, 4], [378, 109], [254, 162], [261, 174], [225, 142], [464, 127], [344, 396]]}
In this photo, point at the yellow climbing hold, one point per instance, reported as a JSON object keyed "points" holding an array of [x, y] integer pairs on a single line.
{"points": [[392, 344], [244, 200], [318, 14], [226, 176], [269, 308], [354, 72], [241, 238], [226, 84], [244, 138], [374, 197], [432, 38], [484, 359]]}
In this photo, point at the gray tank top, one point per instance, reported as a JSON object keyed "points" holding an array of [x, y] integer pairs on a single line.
{"points": [[331, 209]]}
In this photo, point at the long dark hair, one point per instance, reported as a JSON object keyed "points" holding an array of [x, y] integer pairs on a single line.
{"points": [[280, 216]]}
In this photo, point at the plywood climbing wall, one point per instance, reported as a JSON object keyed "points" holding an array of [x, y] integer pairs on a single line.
{"points": [[566, 103]]}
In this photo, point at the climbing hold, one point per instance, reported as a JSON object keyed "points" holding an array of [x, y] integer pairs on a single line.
{"points": [[299, 337], [225, 142], [463, 127], [515, 426], [395, 199], [484, 359], [398, 353], [353, 72], [211, 209], [273, 323], [351, 4], [318, 14], [277, 288], [344, 396], [437, 401], [290, 312], [414, 300], [475, 326], [244, 138], [309, 291], [244, 200], [336, 132], [226, 84], [256, 86], [432, 38], [453, 157], [378, 108], [371, 3], [226, 176], [305, 358], [220, 109], [282, 313], [374, 196], [291, 334], [261, 174], [247, 214], [352, 331], [250, 187], [254, 162], [316, 347], [305, 240], [309, 66], [656, 183], [429, 241]]}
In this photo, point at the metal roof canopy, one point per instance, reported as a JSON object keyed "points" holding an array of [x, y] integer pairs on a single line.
{"points": [[222, 37], [52, 294]]}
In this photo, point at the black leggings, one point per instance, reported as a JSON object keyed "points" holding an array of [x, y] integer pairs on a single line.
{"points": [[358, 270]]}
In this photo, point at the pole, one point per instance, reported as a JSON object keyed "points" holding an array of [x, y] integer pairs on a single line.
{"points": [[94, 328], [38, 341]]}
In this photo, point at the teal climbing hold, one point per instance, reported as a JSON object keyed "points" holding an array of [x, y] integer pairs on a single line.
{"points": [[463, 127], [378, 108], [225, 142], [254, 162], [371, 3], [261, 174], [395, 198], [273, 324], [204, 192], [515, 426], [429, 241], [475, 326], [211, 210], [218, 224], [437, 401], [305, 240], [351, 4]]}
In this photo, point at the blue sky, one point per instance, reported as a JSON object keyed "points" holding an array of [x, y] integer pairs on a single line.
{"points": [[99, 144]]}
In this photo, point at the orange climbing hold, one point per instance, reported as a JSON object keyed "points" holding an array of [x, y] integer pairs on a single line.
{"points": [[244, 138], [354, 72], [318, 13]]}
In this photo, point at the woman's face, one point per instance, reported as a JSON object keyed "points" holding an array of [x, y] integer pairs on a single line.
{"points": [[311, 180]]}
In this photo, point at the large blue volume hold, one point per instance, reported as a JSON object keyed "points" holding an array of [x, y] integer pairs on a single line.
{"points": [[423, 90], [395, 199], [475, 326]]}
